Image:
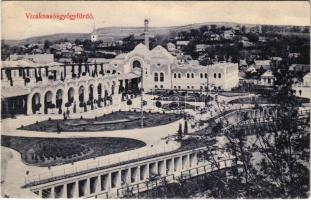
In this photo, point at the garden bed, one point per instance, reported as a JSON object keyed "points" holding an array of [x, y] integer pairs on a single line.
{"points": [[179, 106], [57, 151], [113, 121]]}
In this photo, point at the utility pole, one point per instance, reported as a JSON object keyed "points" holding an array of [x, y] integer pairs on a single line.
{"points": [[141, 99]]}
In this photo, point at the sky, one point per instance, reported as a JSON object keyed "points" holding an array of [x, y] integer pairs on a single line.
{"points": [[15, 24]]}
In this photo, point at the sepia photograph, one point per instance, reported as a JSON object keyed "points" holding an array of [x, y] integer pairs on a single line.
{"points": [[155, 99]]}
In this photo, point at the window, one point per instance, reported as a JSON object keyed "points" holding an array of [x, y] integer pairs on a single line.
{"points": [[201, 87], [155, 86], [156, 77], [158, 64], [192, 75], [175, 86], [136, 64], [201, 75], [215, 75], [192, 87], [175, 75], [179, 87], [219, 75], [205, 75], [179, 75], [108, 71], [161, 76], [161, 86], [188, 87], [269, 80], [188, 75]]}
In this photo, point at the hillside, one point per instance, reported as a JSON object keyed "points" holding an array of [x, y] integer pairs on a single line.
{"points": [[108, 33]]}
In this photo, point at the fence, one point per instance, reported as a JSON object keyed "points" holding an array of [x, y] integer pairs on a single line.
{"points": [[99, 163]]}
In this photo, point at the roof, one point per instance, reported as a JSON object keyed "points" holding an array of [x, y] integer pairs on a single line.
{"points": [[267, 74], [25, 63], [181, 42], [262, 62], [130, 75], [38, 58], [14, 91], [160, 51]]}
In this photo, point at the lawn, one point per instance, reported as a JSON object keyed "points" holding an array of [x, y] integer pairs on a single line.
{"points": [[109, 122], [56, 151]]}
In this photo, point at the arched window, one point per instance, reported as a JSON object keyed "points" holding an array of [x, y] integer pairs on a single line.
{"points": [[136, 64], [179, 75], [219, 75], [201, 75], [155, 86], [188, 75], [192, 75], [161, 86], [161, 76], [156, 77], [215, 75], [175, 75], [205, 75]]}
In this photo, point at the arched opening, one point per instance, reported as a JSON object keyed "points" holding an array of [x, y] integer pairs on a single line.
{"points": [[71, 93], [99, 91], [81, 94], [136, 64], [36, 104], [48, 101], [91, 93], [59, 98]]}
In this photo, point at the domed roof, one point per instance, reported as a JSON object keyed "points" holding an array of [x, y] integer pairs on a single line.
{"points": [[140, 49], [160, 51]]}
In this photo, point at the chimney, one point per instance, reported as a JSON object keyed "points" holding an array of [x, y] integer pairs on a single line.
{"points": [[146, 33]]}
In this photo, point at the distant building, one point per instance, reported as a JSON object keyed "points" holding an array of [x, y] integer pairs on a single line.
{"points": [[303, 89], [267, 78], [300, 68], [228, 35], [94, 35], [181, 44], [265, 64], [200, 47], [171, 47], [37, 58]]}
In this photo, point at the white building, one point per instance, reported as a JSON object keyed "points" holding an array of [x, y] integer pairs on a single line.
{"points": [[171, 47], [267, 78], [38, 88], [304, 89]]}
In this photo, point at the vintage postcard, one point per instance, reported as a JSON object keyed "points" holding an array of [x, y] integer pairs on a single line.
{"points": [[155, 99]]}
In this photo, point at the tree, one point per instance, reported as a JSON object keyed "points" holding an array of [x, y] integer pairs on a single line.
{"points": [[47, 44]]}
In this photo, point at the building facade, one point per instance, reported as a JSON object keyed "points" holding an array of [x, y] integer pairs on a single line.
{"points": [[30, 88]]}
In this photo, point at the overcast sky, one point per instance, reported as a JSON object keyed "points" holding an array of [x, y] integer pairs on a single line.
{"points": [[15, 24]]}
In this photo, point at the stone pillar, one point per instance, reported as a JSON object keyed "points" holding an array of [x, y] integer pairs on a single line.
{"points": [[98, 184], [76, 190], [52, 196], [64, 194]]}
